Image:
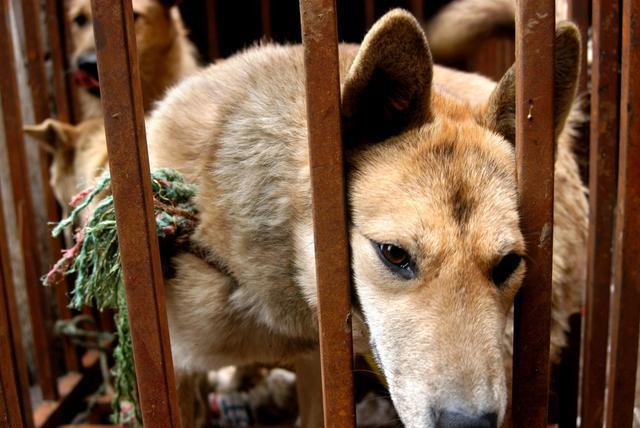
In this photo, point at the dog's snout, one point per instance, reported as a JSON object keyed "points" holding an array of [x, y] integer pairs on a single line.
{"points": [[88, 63], [457, 419]]}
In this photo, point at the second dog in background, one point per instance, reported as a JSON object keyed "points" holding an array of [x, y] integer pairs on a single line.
{"points": [[165, 54]]}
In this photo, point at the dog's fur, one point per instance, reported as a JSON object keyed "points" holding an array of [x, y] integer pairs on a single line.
{"points": [[431, 169], [457, 29], [165, 54], [79, 155]]}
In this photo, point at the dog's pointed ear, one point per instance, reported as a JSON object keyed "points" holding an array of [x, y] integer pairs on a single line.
{"points": [[388, 87], [500, 113], [52, 135]]}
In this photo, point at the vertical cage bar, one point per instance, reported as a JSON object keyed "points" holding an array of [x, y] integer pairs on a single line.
{"points": [[265, 18], [535, 25], [56, 34], [417, 8], [14, 382], [131, 186], [320, 38], [369, 13], [213, 41], [625, 308], [603, 171], [40, 101], [42, 335]]}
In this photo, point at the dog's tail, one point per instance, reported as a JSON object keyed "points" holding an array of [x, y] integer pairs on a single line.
{"points": [[457, 29]]}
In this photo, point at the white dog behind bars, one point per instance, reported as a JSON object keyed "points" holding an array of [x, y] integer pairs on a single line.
{"points": [[437, 251]]}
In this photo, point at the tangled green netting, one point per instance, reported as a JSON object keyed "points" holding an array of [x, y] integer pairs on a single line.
{"points": [[95, 261]]}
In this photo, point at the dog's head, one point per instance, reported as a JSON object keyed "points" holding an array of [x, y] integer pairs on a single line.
{"points": [[78, 153], [438, 254], [157, 24]]}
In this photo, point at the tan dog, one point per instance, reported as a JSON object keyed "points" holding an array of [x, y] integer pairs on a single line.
{"points": [[437, 250], [165, 54], [79, 155]]}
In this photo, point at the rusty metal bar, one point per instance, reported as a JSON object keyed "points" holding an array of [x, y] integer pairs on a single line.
{"points": [[320, 38], [417, 8], [14, 382], [131, 185], [40, 101], [57, 36], [11, 410], [535, 27], [213, 41], [625, 308], [42, 335], [265, 18], [603, 171], [369, 13]]}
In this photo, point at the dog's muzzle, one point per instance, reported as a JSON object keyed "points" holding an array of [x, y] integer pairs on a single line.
{"points": [[86, 75]]}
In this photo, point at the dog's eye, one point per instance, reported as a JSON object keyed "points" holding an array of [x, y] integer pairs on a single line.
{"points": [[136, 16], [81, 20], [505, 268], [397, 259]]}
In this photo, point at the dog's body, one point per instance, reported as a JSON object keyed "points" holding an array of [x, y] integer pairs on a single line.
{"points": [[165, 54], [431, 186]]}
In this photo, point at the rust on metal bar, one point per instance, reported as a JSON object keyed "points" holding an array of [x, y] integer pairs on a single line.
{"points": [[417, 8], [320, 38], [23, 205], [131, 185], [40, 101], [535, 27], [213, 40], [369, 13], [603, 171], [625, 308], [265, 18], [57, 36], [14, 382]]}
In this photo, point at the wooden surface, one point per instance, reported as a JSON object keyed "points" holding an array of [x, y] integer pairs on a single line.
{"points": [[131, 185], [535, 28], [319, 34]]}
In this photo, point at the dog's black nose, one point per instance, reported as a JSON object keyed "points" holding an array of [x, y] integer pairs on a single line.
{"points": [[452, 419], [88, 63]]}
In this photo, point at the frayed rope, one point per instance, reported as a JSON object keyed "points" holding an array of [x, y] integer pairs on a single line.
{"points": [[95, 260]]}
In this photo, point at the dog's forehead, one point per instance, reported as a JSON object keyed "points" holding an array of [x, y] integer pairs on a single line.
{"points": [[446, 177]]}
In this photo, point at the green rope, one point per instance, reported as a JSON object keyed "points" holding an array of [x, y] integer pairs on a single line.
{"points": [[95, 260]]}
